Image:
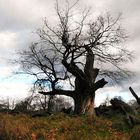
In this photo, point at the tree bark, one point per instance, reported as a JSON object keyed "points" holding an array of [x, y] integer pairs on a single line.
{"points": [[84, 98], [84, 104]]}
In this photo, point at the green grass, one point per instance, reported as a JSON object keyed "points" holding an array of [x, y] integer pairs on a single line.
{"points": [[65, 127]]}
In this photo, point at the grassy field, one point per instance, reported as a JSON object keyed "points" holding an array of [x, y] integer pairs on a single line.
{"points": [[65, 127]]}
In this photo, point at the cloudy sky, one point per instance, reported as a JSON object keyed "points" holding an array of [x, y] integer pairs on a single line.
{"points": [[19, 19]]}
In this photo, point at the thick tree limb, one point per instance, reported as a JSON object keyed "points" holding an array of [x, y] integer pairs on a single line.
{"points": [[95, 73], [73, 69], [135, 95], [88, 69], [100, 84], [89, 61], [59, 92]]}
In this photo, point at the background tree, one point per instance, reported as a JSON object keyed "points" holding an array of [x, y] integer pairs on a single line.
{"points": [[80, 50], [24, 105]]}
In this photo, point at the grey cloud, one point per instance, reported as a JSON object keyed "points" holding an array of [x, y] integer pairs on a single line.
{"points": [[23, 14]]}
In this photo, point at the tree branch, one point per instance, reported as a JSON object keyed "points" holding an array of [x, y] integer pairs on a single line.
{"points": [[100, 84], [89, 61], [73, 69], [135, 95], [59, 92]]}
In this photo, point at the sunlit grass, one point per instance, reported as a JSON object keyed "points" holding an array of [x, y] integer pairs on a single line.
{"points": [[63, 127]]}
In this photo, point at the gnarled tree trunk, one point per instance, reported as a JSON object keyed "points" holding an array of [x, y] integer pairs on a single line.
{"points": [[85, 85], [85, 97]]}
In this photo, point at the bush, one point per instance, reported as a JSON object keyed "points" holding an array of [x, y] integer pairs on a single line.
{"points": [[136, 133]]}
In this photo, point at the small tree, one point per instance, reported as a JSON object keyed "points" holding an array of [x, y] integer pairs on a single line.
{"points": [[78, 52], [24, 105]]}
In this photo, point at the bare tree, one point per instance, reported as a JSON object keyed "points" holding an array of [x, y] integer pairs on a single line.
{"points": [[44, 102], [5, 104], [78, 50], [24, 105]]}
